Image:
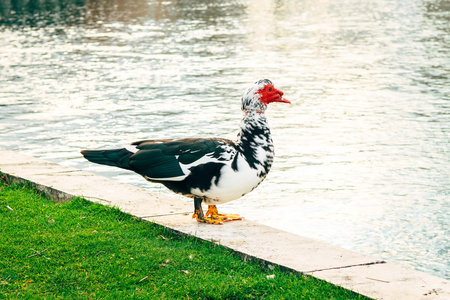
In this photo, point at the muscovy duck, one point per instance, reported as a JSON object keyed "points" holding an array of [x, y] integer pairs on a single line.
{"points": [[209, 170]]}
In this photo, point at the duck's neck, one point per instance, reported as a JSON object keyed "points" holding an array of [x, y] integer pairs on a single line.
{"points": [[254, 141]]}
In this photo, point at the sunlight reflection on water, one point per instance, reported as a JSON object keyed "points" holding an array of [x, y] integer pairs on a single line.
{"points": [[362, 154]]}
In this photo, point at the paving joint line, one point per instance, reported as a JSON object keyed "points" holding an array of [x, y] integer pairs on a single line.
{"points": [[349, 266]]}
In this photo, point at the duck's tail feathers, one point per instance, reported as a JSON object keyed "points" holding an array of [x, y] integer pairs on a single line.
{"points": [[116, 157]]}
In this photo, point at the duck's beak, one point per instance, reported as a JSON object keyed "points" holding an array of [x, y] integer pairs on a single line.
{"points": [[280, 98]]}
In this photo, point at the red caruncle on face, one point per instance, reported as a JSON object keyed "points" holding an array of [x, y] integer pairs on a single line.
{"points": [[270, 94]]}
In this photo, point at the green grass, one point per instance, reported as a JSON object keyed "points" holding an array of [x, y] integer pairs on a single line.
{"points": [[82, 250]]}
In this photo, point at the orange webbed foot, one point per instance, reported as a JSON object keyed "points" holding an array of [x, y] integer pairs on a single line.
{"points": [[214, 214]]}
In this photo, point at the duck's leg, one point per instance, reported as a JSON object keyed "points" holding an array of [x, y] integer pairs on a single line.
{"points": [[198, 211], [198, 214], [213, 212]]}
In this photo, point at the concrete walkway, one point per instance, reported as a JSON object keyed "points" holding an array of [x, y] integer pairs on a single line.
{"points": [[361, 273]]}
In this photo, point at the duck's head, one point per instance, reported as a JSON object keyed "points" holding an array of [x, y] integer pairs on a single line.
{"points": [[259, 95]]}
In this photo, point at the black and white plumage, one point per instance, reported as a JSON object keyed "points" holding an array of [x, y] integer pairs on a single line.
{"points": [[209, 170]]}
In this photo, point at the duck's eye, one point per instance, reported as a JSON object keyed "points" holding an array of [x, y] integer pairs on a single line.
{"points": [[269, 89]]}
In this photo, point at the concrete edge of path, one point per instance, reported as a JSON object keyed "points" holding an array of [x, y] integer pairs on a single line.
{"points": [[363, 274]]}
